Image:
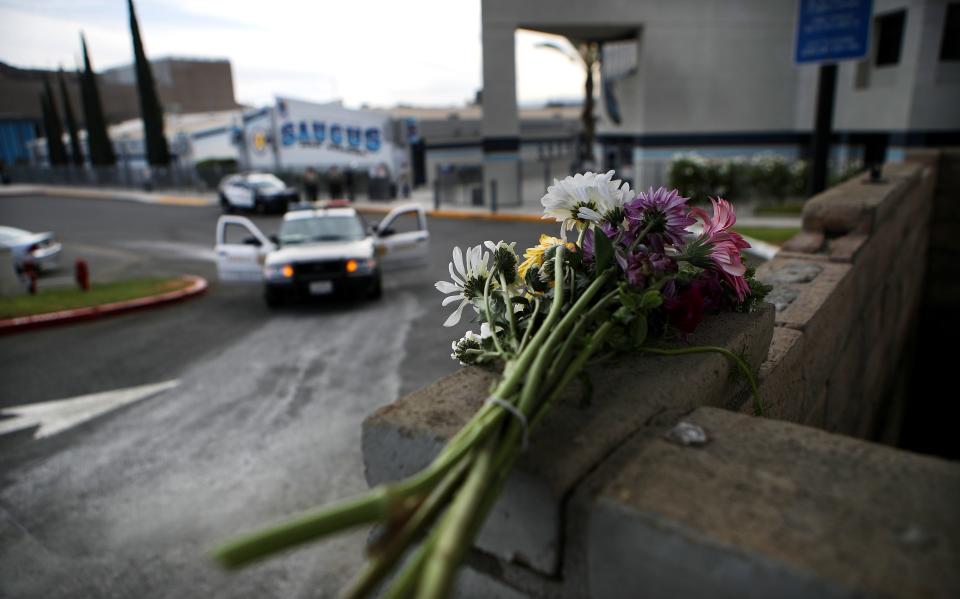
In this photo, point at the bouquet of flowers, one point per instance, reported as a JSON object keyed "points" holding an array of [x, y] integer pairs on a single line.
{"points": [[643, 267]]}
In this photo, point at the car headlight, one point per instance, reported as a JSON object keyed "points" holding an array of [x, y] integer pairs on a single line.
{"points": [[360, 266], [278, 272]]}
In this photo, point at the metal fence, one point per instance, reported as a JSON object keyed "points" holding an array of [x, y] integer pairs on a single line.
{"points": [[174, 177]]}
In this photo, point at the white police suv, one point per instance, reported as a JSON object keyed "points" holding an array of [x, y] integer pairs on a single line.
{"points": [[321, 251], [259, 192]]}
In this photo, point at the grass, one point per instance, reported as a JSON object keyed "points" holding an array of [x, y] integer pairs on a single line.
{"points": [[769, 234], [66, 298], [784, 208]]}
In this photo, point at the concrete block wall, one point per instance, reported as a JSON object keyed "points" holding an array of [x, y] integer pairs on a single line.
{"points": [[848, 291]]}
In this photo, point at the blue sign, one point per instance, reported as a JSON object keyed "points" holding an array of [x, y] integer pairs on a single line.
{"points": [[832, 30], [315, 133]]}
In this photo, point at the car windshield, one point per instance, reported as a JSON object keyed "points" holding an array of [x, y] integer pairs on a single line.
{"points": [[266, 182], [321, 228]]}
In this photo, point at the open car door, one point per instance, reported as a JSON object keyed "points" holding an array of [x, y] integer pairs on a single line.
{"points": [[402, 239], [241, 250]]}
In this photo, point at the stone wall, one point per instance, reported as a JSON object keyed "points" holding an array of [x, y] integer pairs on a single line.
{"points": [[847, 291], [610, 502]]}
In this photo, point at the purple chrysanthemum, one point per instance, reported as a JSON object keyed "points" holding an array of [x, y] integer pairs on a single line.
{"points": [[664, 212]]}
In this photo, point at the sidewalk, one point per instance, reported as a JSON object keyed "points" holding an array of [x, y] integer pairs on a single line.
{"points": [[529, 211], [106, 193]]}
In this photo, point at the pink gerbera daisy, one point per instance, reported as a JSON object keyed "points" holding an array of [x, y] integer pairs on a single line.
{"points": [[718, 246]]}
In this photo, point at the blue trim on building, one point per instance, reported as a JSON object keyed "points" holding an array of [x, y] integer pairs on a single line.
{"points": [[250, 116], [774, 138], [14, 136], [210, 132]]}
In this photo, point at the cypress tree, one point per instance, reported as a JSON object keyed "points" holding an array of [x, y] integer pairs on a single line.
{"points": [[54, 130], [98, 142], [150, 110], [75, 149]]}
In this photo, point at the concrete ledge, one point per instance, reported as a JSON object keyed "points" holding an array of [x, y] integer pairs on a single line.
{"points": [[856, 206], [526, 525], [771, 509]]}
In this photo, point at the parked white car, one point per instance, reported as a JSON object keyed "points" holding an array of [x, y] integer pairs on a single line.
{"points": [[40, 249], [259, 192], [320, 251]]}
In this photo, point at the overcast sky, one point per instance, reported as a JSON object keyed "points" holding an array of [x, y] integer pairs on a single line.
{"points": [[379, 52]]}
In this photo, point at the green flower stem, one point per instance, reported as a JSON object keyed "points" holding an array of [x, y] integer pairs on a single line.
{"points": [[454, 539], [516, 369], [368, 508], [384, 558], [405, 583], [508, 452], [508, 300], [377, 505], [561, 357], [595, 342], [440, 570], [467, 524], [743, 366], [530, 323], [486, 307]]}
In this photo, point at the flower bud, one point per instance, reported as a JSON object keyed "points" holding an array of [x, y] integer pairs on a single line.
{"points": [[505, 261]]}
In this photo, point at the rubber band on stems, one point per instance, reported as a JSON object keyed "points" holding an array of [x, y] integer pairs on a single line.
{"points": [[513, 410]]}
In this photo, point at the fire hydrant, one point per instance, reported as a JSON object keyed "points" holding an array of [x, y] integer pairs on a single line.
{"points": [[82, 274], [30, 272]]}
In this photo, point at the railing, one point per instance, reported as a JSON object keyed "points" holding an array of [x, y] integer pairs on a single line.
{"points": [[174, 177]]}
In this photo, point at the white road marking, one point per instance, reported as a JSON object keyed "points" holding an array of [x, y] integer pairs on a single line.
{"points": [[59, 415], [174, 248]]}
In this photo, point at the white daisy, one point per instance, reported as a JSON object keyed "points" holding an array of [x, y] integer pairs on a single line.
{"points": [[467, 282], [585, 198], [470, 341], [464, 344]]}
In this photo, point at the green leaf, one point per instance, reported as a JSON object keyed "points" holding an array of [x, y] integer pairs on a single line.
{"points": [[603, 249], [651, 300], [638, 330], [627, 300]]}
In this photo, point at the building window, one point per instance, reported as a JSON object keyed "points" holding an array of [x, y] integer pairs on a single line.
{"points": [[950, 46], [889, 28]]}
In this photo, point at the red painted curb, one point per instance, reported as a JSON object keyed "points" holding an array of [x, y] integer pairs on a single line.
{"points": [[25, 323]]}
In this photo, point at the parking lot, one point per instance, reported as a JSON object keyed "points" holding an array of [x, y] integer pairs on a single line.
{"points": [[264, 419]]}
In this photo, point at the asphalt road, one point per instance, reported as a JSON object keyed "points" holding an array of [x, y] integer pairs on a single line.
{"points": [[265, 420]]}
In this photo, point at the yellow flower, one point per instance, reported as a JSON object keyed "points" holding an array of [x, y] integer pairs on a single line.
{"points": [[534, 256]]}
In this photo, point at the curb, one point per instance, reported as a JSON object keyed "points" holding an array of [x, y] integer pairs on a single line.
{"points": [[25, 323], [111, 195], [459, 214], [176, 200]]}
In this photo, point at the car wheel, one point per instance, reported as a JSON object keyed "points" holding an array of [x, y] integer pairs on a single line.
{"points": [[273, 298], [377, 291], [259, 207], [225, 205]]}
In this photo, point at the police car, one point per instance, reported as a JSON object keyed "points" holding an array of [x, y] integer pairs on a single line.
{"points": [[260, 192], [321, 250]]}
